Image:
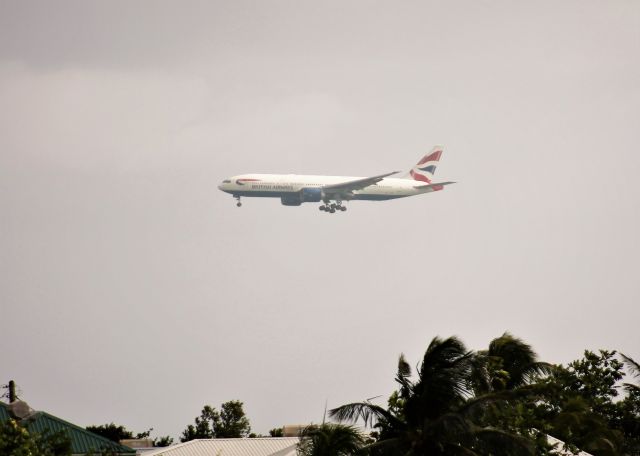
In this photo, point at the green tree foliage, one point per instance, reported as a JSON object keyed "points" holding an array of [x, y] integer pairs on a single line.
{"points": [[330, 439], [233, 422], [276, 432], [162, 441], [595, 378], [230, 422], [116, 433], [440, 412], [16, 440], [204, 425], [111, 431], [579, 404]]}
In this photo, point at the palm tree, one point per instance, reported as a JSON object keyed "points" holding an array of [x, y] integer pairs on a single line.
{"points": [[634, 369], [438, 414], [329, 439], [513, 363]]}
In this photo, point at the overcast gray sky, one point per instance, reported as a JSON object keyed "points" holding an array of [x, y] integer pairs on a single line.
{"points": [[132, 290]]}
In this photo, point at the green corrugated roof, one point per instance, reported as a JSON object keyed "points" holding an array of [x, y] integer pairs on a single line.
{"points": [[82, 441], [4, 412]]}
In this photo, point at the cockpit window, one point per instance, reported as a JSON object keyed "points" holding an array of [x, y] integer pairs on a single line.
{"points": [[226, 181]]}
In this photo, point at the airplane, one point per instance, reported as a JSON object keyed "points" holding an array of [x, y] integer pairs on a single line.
{"points": [[333, 191]]}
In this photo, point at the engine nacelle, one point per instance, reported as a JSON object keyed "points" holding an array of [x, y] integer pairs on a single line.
{"points": [[291, 200], [311, 195], [306, 195]]}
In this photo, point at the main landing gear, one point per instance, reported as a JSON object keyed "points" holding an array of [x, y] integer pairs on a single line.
{"points": [[331, 208]]}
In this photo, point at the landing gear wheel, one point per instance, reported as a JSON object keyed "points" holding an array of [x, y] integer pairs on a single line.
{"points": [[238, 204], [322, 208], [332, 209], [343, 208]]}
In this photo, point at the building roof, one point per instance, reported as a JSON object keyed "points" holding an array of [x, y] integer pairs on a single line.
{"points": [[4, 412], [82, 441], [260, 446]]}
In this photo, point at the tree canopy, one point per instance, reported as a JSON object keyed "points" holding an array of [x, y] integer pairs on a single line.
{"points": [[111, 431], [329, 439], [230, 422], [116, 433], [503, 400], [439, 413]]}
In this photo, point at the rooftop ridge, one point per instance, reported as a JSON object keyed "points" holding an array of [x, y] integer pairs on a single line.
{"points": [[41, 421]]}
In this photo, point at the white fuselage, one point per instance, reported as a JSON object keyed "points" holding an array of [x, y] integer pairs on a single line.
{"points": [[284, 185]]}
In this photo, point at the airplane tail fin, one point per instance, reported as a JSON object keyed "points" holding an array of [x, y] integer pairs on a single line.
{"points": [[423, 171]]}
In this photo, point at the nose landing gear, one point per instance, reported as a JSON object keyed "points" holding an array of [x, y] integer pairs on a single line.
{"points": [[239, 204]]}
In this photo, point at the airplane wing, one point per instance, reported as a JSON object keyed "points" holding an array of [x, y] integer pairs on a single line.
{"points": [[433, 187], [357, 184]]}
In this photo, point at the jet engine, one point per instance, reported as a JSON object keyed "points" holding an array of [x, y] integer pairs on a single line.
{"points": [[306, 195], [291, 200], [311, 195]]}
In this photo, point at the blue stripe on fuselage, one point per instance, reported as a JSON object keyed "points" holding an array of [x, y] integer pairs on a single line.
{"points": [[261, 194], [266, 194], [376, 197]]}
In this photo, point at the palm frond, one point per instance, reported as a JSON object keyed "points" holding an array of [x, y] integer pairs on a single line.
{"points": [[631, 388], [329, 439], [518, 359], [445, 369], [442, 352], [369, 413], [402, 377], [633, 366], [536, 370], [504, 396], [479, 378], [404, 369]]}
